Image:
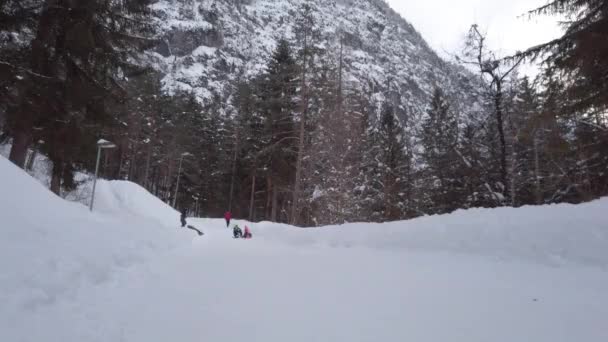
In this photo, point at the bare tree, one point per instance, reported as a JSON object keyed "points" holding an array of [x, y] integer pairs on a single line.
{"points": [[494, 71]]}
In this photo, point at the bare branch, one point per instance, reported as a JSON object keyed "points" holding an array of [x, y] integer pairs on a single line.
{"points": [[28, 71]]}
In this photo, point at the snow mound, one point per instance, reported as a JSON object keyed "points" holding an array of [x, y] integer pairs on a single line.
{"points": [[552, 234], [50, 248], [127, 198]]}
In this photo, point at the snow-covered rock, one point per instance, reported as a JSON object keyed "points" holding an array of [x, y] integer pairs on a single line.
{"points": [[208, 45]]}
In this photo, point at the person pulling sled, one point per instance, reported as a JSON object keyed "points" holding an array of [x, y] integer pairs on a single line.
{"points": [[183, 221], [227, 216], [183, 218]]}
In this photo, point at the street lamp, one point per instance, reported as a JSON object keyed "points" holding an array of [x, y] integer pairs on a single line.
{"points": [[179, 171], [101, 144]]}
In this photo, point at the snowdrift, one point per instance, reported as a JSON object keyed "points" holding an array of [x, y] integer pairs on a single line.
{"points": [[51, 247], [128, 199], [552, 234]]}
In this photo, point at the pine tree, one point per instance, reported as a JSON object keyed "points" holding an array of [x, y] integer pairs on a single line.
{"points": [[18, 19], [475, 161], [312, 102], [334, 129], [439, 139], [277, 105], [78, 57], [391, 165], [580, 55], [578, 61], [365, 168], [526, 146], [250, 122]]}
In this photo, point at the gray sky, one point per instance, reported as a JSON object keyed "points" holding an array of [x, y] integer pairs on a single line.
{"points": [[443, 23]]}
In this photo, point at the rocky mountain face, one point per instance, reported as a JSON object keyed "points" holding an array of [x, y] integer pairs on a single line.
{"points": [[208, 45]]}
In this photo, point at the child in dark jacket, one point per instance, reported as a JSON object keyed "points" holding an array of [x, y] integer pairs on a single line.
{"points": [[237, 232], [183, 218]]}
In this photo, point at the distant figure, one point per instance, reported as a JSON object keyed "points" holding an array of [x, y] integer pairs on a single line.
{"points": [[183, 218], [227, 216], [247, 234], [237, 232]]}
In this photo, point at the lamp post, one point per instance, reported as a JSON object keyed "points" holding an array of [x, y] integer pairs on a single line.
{"points": [[101, 144], [179, 171]]}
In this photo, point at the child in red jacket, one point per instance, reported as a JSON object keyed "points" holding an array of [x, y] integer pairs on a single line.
{"points": [[247, 234]]}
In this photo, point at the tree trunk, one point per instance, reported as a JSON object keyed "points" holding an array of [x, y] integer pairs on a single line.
{"points": [[235, 156], [275, 204], [133, 163], [29, 166], [21, 143], [513, 178], [296, 191], [268, 207], [120, 161], [339, 216], [296, 188], [146, 172], [252, 198], [503, 144], [168, 181], [56, 174], [339, 95], [537, 192]]}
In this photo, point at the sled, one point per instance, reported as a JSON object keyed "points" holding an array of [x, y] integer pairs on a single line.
{"points": [[193, 228]]}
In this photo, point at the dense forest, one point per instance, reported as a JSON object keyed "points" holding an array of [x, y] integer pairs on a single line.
{"points": [[299, 143]]}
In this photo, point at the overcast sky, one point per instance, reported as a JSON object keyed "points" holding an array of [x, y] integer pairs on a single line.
{"points": [[443, 23]]}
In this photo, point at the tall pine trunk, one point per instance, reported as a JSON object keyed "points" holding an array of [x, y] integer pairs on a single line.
{"points": [[275, 204], [147, 170], [537, 190], [29, 166], [268, 207], [504, 178], [234, 159], [252, 198], [21, 143], [296, 189], [56, 175]]}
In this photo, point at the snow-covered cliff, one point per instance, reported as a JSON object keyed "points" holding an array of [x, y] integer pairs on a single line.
{"points": [[209, 44]]}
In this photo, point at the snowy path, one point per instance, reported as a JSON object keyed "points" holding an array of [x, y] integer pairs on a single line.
{"points": [[223, 289], [125, 273]]}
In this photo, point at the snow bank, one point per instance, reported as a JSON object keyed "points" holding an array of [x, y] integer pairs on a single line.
{"points": [[41, 167], [129, 199], [121, 198], [50, 248], [552, 234]]}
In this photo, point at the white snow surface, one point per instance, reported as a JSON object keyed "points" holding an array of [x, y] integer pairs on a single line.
{"points": [[126, 273]]}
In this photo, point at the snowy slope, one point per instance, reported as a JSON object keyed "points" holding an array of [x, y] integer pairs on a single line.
{"points": [[208, 45], [51, 248], [553, 234], [124, 273]]}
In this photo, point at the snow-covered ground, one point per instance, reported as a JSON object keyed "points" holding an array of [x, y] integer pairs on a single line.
{"points": [[126, 273]]}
